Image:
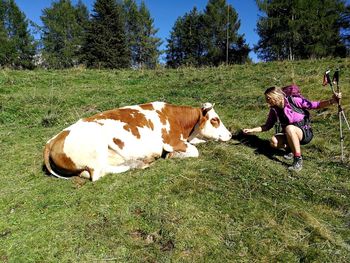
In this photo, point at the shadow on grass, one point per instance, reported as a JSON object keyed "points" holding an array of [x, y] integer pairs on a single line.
{"points": [[261, 146]]}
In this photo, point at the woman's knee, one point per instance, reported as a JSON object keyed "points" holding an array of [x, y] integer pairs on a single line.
{"points": [[274, 142], [290, 129]]}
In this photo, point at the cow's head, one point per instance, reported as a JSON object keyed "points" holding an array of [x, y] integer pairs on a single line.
{"points": [[211, 127]]}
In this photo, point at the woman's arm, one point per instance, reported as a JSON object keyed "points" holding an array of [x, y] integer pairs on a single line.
{"points": [[306, 104], [253, 130], [325, 103], [271, 120]]}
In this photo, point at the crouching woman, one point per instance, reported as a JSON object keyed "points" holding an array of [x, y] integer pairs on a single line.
{"points": [[295, 124]]}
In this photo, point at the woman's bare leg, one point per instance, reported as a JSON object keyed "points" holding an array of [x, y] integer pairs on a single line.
{"points": [[294, 136]]}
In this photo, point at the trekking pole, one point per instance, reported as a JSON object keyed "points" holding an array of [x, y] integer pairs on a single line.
{"points": [[327, 80], [341, 114]]}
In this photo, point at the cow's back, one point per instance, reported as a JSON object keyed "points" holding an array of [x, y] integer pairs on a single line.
{"points": [[135, 132]]}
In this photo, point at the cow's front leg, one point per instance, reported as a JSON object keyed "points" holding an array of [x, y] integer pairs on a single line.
{"points": [[188, 151]]}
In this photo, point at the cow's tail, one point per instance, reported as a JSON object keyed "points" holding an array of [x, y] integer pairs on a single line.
{"points": [[47, 162]]}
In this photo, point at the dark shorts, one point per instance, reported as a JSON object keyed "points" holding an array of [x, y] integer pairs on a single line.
{"points": [[307, 134]]}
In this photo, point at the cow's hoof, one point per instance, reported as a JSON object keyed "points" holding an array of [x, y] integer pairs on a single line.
{"points": [[169, 155], [85, 174]]}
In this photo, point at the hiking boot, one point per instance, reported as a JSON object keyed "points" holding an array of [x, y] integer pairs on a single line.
{"points": [[288, 156], [297, 164]]}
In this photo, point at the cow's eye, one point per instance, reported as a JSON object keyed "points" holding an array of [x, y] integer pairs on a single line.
{"points": [[215, 122]]}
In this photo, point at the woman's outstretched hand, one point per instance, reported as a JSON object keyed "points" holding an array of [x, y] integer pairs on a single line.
{"points": [[247, 131], [336, 97]]}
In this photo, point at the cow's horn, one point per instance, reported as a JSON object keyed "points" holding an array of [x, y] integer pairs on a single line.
{"points": [[207, 106]]}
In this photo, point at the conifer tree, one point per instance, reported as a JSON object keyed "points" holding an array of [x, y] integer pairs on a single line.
{"points": [[63, 33], [82, 16], [106, 41], [142, 42], [17, 46], [186, 45], [5, 46], [6, 49], [345, 28], [222, 38], [174, 54], [132, 29], [148, 43], [22, 40]]}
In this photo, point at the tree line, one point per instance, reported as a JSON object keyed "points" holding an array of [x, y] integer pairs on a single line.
{"points": [[303, 29], [121, 34], [207, 38], [117, 34]]}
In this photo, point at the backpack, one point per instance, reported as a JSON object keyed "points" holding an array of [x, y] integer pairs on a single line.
{"points": [[292, 91]]}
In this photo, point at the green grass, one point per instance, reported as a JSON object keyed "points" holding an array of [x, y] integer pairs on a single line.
{"points": [[235, 203]]}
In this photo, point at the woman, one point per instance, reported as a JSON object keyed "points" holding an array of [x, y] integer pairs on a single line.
{"points": [[296, 129]]}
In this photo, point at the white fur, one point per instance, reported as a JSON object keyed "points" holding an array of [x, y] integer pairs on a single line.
{"points": [[191, 151], [196, 141], [88, 143], [209, 132]]}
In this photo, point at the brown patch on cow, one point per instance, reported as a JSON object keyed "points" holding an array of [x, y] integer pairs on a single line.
{"points": [[182, 120], [203, 121], [133, 129], [215, 122], [119, 142], [150, 125], [148, 106], [133, 118], [173, 138], [58, 156], [162, 117]]}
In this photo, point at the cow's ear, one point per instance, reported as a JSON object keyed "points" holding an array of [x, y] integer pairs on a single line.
{"points": [[207, 107]]}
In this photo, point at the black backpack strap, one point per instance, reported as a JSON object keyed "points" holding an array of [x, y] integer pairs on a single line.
{"points": [[306, 120], [278, 127], [295, 107]]}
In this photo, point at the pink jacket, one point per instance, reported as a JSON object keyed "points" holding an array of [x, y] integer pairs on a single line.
{"points": [[287, 115]]}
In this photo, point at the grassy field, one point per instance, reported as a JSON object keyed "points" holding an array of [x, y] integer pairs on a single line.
{"points": [[236, 203]]}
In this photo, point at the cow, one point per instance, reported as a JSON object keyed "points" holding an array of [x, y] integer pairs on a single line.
{"points": [[117, 140]]}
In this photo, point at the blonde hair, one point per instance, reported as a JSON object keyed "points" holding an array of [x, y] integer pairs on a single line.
{"points": [[276, 95]]}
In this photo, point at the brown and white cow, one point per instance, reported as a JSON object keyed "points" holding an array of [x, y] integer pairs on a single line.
{"points": [[117, 140]]}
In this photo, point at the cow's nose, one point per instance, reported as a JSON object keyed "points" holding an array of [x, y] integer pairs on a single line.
{"points": [[225, 137]]}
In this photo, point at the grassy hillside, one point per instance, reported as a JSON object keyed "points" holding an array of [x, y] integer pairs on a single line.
{"points": [[235, 203]]}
